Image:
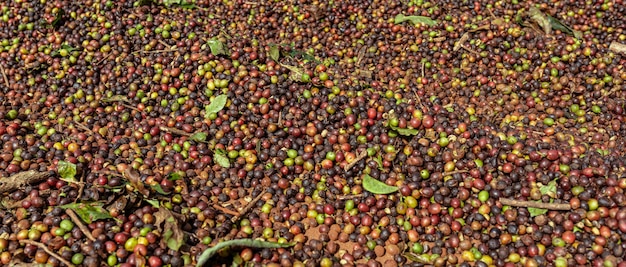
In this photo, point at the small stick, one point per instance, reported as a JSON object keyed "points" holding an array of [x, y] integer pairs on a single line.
{"points": [[469, 49], [130, 107], [225, 210], [80, 224], [444, 174], [109, 173], [155, 51], [356, 160], [164, 43], [20, 179], [105, 58], [534, 204], [174, 131], [84, 127], [81, 188], [4, 75], [50, 252], [349, 197], [247, 207]]}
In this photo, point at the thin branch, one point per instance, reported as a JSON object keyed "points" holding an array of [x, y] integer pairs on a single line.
{"points": [[130, 107], [84, 127], [50, 252], [155, 51], [444, 174], [225, 210], [103, 59], [356, 160], [470, 50], [4, 75], [534, 204], [164, 43], [349, 197], [174, 131], [80, 224], [248, 207]]}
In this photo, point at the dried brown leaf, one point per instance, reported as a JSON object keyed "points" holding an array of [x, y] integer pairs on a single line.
{"points": [[617, 47], [173, 236], [134, 178]]}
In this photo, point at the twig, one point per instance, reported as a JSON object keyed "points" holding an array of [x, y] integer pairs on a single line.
{"points": [[423, 69], [80, 224], [81, 188], [4, 75], [247, 207], [461, 41], [612, 91], [50, 252], [155, 51], [444, 174], [356, 160], [164, 43], [534, 204], [108, 173], [130, 107], [84, 127], [469, 49], [15, 181], [103, 59], [225, 210], [174, 131], [349, 197]]}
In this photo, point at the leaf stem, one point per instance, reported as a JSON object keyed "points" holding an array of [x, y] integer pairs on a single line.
{"points": [[534, 204], [80, 224], [50, 252]]}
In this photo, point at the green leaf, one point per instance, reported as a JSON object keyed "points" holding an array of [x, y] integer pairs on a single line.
{"points": [[379, 160], [159, 189], [58, 18], [558, 25], [68, 48], [175, 176], [274, 52], [603, 152], [377, 187], [251, 243], [422, 259], [415, 20], [221, 160], [536, 211], [178, 3], [216, 105], [405, 131], [88, 212], [296, 73], [173, 236], [67, 170], [198, 137], [155, 203], [541, 19], [237, 261], [549, 189], [217, 47]]}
